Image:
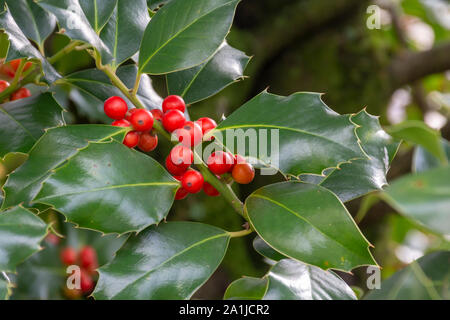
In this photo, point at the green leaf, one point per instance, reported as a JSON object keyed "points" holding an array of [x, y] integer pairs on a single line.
{"points": [[312, 137], [42, 277], [72, 19], [94, 87], [423, 197], [225, 67], [170, 261], [5, 290], [293, 280], [423, 160], [154, 4], [34, 22], [247, 288], [20, 235], [98, 12], [96, 191], [23, 122], [266, 251], [21, 47], [308, 223], [425, 279], [417, 132], [53, 149], [183, 34], [123, 32], [362, 176]]}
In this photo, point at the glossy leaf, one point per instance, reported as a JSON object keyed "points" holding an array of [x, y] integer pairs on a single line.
{"points": [[247, 288], [123, 32], [35, 23], [362, 176], [21, 47], [311, 137], [95, 192], [170, 261], [53, 149], [72, 19], [5, 289], [293, 280], [174, 42], [20, 235], [423, 160], [154, 4], [423, 197], [225, 67], [425, 279], [266, 251], [98, 12], [417, 132], [94, 87], [23, 122], [308, 223]]}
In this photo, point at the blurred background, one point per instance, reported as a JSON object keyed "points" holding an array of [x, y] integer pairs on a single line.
{"points": [[392, 58]]}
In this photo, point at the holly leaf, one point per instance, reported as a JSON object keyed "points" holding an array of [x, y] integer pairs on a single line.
{"points": [[154, 4], [123, 32], [424, 160], [95, 192], [98, 12], [52, 150], [170, 261], [76, 25], [266, 251], [24, 121], [417, 132], [423, 197], [20, 235], [361, 176], [247, 288], [293, 280], [295, 134], [35, 23], [21, 47], [225, 67], [172, 44], [424, 279], [308, 223], [94, 87]]}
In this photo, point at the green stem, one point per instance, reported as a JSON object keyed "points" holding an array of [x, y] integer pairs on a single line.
{"points": [[239, 234], [61, 53], [136, 84], [221, 186]]}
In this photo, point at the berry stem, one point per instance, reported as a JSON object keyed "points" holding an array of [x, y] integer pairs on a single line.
{"points": [[238, 234], [15, 83], [135, 89], [61, 53], [221, 186]]}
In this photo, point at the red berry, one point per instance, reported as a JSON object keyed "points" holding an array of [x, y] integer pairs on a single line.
{"points": [[131, 139], [3, 85], [15, 65], [173, 103], [190, 134], [192, 181], [148, 141], [157, 114], [20, 94], [173, 120], [181, 156], [220, 162], [88, 258], [210, 190], [115, 108], [141, 120], [181, 194], [207, 124], [129, 113], [69, 256], [53, 239], [86, 282], [243, 173], [121, 123], [174, 169]]}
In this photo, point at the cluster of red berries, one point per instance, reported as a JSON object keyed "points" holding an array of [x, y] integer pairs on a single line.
{"points": [[9, 70], [188, 133], [86, 258]]}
